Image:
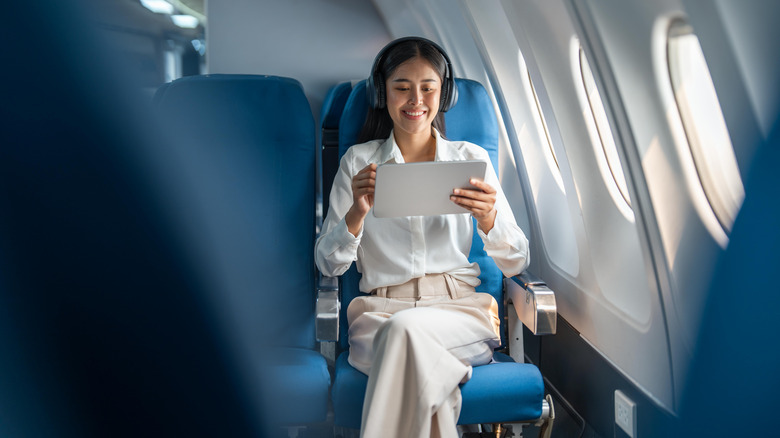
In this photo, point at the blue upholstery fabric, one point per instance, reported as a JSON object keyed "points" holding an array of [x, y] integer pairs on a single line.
{"points": [[501, 392], [296, 384], [107, 322], [258, 157], [256, 143], [734, 373], [353, 117], [333, 105], [348, 392], [498, 393]]}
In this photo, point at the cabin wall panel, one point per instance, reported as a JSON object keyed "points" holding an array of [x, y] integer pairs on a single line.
{"points": [[318, 42], [611, 299], [741, 42], [634, 42]]}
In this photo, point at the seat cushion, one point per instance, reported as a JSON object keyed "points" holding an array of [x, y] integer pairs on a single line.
{"points": [[295, 386], [349, 388], [502, 392], [497, 392]]}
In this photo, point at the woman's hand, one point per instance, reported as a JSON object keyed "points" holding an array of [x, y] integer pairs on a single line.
{"points": [[363, 185], [480, 202]]}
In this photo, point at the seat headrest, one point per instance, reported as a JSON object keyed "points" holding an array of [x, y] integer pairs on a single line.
{"points": [[240, 99], [353, 117], [473, 119], [333, 105]]}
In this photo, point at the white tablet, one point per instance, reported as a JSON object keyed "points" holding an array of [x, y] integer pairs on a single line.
{"points": [[422, 189]]}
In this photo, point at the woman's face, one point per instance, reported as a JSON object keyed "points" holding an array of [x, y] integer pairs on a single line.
{"points": [[413, 92]]}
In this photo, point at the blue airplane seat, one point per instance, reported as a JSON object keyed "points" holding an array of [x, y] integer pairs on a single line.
{"points": [[502, 392], [257, 143], [734, 372], [332, 107]]}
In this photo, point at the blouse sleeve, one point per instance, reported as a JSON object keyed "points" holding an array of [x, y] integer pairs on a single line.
{"points": [[336, 248], [505, 242]]}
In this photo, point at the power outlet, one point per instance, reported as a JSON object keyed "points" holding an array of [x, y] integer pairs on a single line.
{"points": [[625, 413]]}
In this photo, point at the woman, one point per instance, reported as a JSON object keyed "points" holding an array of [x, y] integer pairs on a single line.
{"points": [[423, 327]]}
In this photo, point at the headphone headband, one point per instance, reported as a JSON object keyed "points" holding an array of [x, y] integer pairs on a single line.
{"points": [[375, 85]]}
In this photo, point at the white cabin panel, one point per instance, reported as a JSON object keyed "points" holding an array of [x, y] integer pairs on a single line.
{"points": [[318, 42]]}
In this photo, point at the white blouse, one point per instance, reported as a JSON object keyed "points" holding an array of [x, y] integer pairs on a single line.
{"points": [[392, 251]]}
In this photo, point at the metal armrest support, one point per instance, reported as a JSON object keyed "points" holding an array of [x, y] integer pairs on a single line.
{"points": [[546, 421], [534, 303], [328, 307]]}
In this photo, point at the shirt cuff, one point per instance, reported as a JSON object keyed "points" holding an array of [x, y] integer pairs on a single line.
{"points": [[344, 238], [496, 236]]}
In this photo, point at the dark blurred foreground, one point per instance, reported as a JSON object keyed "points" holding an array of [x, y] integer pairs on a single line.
{"points": [[107, 327]]}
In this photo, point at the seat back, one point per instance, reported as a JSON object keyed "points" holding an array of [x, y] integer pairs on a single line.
{"points": [[472, 119], [107, 326], [332, 107], [254, 169], [734, 371]]}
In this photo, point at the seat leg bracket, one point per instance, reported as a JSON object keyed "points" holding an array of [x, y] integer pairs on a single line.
{"points": [[498, 431]]}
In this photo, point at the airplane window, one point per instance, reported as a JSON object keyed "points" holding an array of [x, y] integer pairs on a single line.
{"points": [[705, 129], [541, 124], [601, 135], [542, 121]]}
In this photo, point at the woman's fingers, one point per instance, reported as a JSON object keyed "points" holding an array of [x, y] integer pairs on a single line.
{"points": [[363, 184], [365, 180], [480, 201], [482, 185], [368, 170], [478, 209]]}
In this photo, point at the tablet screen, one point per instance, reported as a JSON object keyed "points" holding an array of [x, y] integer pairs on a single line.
{"points": [[422, 189]]}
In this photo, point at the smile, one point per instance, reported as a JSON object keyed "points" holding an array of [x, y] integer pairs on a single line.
{"points": [[414, 113]]}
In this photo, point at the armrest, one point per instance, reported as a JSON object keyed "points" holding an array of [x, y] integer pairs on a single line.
{"points": [[328, 307], [534, 303]]}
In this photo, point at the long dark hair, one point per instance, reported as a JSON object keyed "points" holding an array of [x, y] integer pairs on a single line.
{"points": [[378, 123]]}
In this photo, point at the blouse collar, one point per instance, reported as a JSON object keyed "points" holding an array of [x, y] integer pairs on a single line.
{"points": [[389, 152]]}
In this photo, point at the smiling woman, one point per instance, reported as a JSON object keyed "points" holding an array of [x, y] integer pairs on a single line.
{"points": [[424, 325]]}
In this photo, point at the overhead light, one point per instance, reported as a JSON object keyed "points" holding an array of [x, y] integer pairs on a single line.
{"points": [[185, 21], [158, 6], [199, 46]]}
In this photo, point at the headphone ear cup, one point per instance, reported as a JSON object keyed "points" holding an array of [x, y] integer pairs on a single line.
{"points": [[379, 91], [449, 95], [444, 97], [375, 91], [370, 92]]}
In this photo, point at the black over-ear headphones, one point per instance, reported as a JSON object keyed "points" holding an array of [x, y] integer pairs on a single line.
{"points": [[375, 85]]}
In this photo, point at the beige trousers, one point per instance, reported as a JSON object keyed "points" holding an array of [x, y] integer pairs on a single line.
{"points": [[417, 342]]}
